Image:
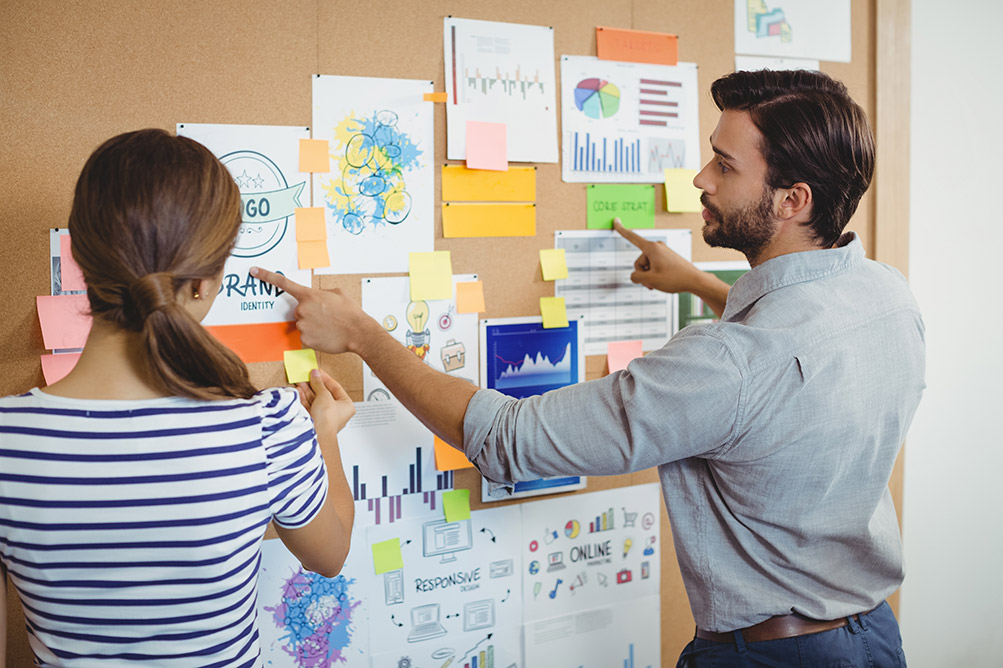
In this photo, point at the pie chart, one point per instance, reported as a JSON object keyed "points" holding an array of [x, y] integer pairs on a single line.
{"points": [[597, 98]]}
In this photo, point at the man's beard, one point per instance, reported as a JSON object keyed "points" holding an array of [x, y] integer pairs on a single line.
{"points": [[748, 229]]}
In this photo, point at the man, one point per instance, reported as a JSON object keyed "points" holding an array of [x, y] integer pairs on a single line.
{"points": [[774, 430]]}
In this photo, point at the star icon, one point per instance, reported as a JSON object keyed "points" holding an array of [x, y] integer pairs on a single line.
{"points": [[243, 180], [258, 181]]}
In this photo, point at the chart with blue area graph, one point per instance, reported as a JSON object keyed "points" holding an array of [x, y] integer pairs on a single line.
{"points": [[627, 122], [520, 358]]}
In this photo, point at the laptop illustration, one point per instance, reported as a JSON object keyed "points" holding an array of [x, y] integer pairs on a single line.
{"points": [[555, 561], [425, 623]]}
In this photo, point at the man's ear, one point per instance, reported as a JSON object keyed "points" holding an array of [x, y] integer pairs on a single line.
{"points": [[796, 203]]}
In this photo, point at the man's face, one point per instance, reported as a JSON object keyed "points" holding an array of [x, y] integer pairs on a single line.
{"points": [[738, 205]]}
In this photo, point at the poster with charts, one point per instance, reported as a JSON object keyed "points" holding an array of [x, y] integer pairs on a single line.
{"points": [[793, 29], [387, 453], [501, 73], [309, 621], [264, 161], [598, 288], [431, 329], [457, 600], [627, 122], [592, 578], [378, 196], [692, 309]]}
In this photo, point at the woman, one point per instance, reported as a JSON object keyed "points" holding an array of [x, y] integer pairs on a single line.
{"points": [[135, 492]]}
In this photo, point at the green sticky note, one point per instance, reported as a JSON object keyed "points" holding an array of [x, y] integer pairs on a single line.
{"points": [[554, 312], [387, 556], [456, 504], [299, 364], [634, 205], [553, 263], [681, 196], [431, 275]]}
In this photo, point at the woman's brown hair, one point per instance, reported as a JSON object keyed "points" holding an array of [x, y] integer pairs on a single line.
{"points": [[152, 213]]}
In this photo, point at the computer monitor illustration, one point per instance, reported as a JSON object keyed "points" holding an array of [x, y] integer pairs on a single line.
{"points": [[440, 537]]}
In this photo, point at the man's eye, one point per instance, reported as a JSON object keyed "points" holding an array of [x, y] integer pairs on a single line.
{"points": [[723, 167]]}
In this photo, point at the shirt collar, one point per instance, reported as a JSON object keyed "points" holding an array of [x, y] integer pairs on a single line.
{"points": [[790, 269]]}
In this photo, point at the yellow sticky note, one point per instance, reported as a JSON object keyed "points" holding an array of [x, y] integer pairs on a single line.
{"points": [[470, 297], [313, 254], [488, 220], [448, 458], [436, 97], [460, 184], [456, 504], [431, 275], [681, 196], [554, 312], [310, 224], [553, 263], [299, 364], [314, 155], [387, 556]]}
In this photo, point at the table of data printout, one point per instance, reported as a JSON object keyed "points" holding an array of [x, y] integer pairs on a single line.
{"points": [[598, 287]]}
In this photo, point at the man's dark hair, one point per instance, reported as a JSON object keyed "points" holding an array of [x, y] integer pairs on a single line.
{"points": [[813, 133]]}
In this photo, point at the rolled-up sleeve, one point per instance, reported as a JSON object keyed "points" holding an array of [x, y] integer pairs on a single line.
{"points": [[680, 401]]}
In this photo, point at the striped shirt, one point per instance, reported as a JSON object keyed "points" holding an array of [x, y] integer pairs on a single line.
{"points": [[132, 529]]}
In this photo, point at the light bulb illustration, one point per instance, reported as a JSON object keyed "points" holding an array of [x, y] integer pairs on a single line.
{"points": [[418, 336]]}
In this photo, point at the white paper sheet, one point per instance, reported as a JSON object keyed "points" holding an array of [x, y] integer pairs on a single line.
{"points": [[264, 160], [386, 452], [501, 73], [793, 29], [457, 600], [626, 122], [432, 329], [754, 63], [378, 196], [598, 287]]}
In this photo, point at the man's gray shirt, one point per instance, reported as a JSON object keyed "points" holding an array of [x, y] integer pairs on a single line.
{"points": [[774, 432]]}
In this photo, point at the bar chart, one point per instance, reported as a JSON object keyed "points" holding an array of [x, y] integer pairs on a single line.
{"points": [[592, 153]]}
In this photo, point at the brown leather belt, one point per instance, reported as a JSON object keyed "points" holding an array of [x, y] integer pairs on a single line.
{"points": [[775, 628]]}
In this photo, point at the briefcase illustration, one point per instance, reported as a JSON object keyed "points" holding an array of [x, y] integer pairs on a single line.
{"points": [[453, 355]]}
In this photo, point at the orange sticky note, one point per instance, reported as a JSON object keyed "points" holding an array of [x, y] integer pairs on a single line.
{"points": [[65, 320], [70, 276], [459, 184], [310, 224], [314, 155], [448, 458], [55, 367], [486, 146], [620, 353], [637, 46], [312, 254], [470, 297], [436, 97], [488, 220], [263, 342], [554, 312], [431, 275], [553, 264]]}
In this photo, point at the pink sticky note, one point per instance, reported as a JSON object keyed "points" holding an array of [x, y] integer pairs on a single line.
{"points": [[70, 276], [65, 320], [55, 367], [486, 147], [620, 353]]}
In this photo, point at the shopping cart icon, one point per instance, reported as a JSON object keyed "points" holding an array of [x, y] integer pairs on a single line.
{"points": [[628, 518]]}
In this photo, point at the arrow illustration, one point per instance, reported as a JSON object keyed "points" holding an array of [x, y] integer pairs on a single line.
{"points": [[487, 530], [396, 623], [474, 648], [507, 592]]}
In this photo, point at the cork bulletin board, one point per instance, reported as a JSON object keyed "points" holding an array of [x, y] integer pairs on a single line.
{"points": [[76, 73]]}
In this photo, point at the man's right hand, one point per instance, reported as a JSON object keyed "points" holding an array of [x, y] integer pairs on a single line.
{"points": [[327, 320], [659, 267]]}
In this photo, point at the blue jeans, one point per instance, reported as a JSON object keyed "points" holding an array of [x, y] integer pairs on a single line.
{"points": [[874, 641]]}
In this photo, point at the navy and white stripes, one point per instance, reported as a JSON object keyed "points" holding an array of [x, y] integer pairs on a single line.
{"points": [[132, 529]]}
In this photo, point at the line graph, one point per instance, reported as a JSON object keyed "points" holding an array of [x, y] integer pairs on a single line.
{"points": [[509, 84], [535, 370], [666, 153]]}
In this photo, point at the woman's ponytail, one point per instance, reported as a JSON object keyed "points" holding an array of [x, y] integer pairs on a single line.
{"points": [[153, 214]]}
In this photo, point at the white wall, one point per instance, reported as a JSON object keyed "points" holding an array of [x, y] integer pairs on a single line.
{"points": [[952, 600]]}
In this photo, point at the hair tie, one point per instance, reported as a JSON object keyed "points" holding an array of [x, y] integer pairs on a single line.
{"points": [[153, 292]]}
